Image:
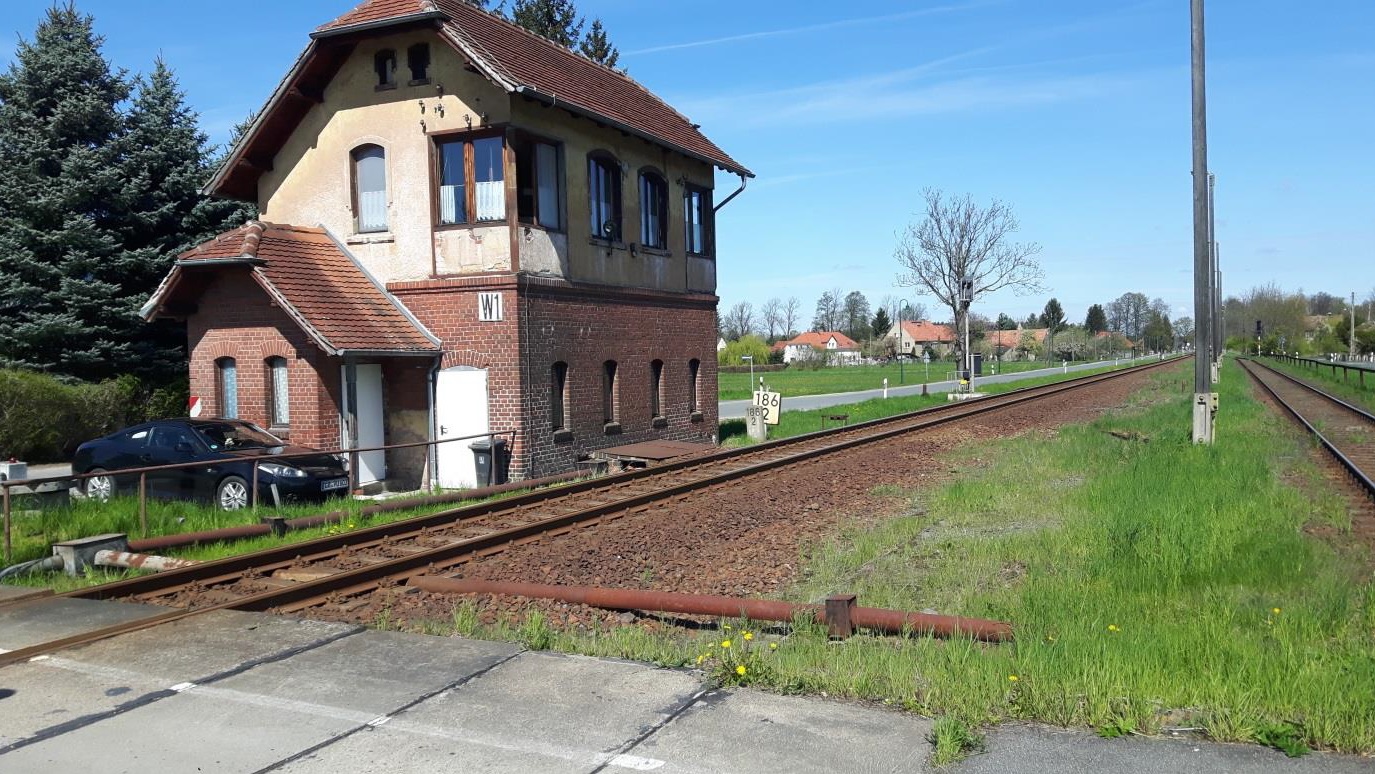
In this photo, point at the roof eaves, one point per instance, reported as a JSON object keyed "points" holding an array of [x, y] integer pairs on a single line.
{"points": [[552, 101], [286, 306], [481, 59], [378, 24], [236, 153], [232, 260], [150, 307], [400, 307]]}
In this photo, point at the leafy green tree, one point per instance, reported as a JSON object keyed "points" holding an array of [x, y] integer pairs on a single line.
{"points": [[1006, 323], [881, 323], [855, 314], [1033, 320], [1097, 319], [557, 20], [63, 296], [745, 345], [597, 47]]}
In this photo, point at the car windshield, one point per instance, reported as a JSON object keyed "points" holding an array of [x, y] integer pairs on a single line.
{"points": [[237, 435]]}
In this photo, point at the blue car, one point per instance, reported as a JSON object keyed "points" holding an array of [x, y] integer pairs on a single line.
{"points": [[226, 446]]}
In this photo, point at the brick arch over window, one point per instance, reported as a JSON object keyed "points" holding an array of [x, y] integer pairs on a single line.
{"points": [[466, 357], [245, 349]]}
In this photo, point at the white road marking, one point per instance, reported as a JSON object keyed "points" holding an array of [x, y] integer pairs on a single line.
{"points": [[636, 763]]}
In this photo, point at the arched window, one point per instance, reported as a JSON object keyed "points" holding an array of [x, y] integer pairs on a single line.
{"points": [[384, 64], [227, 387], [558, 396], [278, 394], [370, 188], [656, 389], [604, 196], [653, 210], [609, 391], [694, 368]]}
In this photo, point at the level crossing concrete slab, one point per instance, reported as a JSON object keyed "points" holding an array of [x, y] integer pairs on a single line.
{"points": [[11, 594], [44, 619], [754, 731], [1041, 750], [537, 712]]}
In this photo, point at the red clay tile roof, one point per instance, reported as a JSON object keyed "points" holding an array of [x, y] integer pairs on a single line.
{"points": [[819, 338], [1013, 339], [922, 330], [513, 58], [316, 282], [378, 10]]}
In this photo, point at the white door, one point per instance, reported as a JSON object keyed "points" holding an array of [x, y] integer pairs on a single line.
{"points": [[460, 404], [367, 394]]}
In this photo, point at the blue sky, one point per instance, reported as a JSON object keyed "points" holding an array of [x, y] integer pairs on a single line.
{"points": [[1075, 112]]}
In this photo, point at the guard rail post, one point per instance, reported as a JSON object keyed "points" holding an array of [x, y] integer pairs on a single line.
{"points": [[142, 504], [6, 486], [254, 496]]}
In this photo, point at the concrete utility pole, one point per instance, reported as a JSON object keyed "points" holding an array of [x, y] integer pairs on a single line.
{"points": [[1203, 325], [1214, 298], [1352, 347]]}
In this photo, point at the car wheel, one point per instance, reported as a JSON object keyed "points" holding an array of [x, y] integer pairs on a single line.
{"points": [[100, 487], [232, 494]]}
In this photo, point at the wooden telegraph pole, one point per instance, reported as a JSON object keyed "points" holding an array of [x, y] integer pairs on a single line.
{"points": [[1204, 398]]}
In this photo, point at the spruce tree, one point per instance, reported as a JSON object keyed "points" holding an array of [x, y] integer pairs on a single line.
{"points": [[63, 305], [554, 19], [165, 161], [596, 47]]}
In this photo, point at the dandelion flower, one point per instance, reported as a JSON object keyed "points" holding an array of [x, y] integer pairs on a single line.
{"points": [[749, 636], [1012, 678], [1113, 628], [699, 659], [725, 626], [740, 670], [725, 643], [773, 646], [1275, 610]]}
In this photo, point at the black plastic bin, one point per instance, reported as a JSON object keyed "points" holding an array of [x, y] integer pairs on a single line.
{"points": [[490, 460]]}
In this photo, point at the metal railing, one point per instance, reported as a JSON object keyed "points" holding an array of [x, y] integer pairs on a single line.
{"points": [[78, 479], [1346, 366]]}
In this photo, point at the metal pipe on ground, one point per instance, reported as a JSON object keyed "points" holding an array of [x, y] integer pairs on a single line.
{"points": [[136, 561], [305, 522], [878, 619]]}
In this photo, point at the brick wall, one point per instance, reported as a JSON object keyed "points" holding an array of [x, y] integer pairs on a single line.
{"points": [[585, 326], [237, 319]]}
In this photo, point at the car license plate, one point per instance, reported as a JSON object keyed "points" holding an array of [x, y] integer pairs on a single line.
{"points": [[334, 483]]}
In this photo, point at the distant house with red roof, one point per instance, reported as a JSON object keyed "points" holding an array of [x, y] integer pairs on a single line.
{"points": [[1014, 344], [912, 337], [842, 349], [465, 228]]}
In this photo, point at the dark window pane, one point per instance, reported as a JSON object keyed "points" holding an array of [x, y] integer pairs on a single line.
{"points": [[452, 202]]}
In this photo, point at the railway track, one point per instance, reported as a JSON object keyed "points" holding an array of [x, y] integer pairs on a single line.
{"points": [[336, 571], [1345, 431]]}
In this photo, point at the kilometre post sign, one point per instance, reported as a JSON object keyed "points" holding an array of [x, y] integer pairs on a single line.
{"points": [[771, 402]]}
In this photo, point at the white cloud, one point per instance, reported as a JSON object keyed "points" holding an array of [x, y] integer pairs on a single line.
{"points": [[818, 27]]}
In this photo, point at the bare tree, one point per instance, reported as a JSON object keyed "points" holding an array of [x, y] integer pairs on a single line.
{"points": [[739, 320], [791, 309], [1129, 314], [771, 313], [828, 311], [962, 244]]}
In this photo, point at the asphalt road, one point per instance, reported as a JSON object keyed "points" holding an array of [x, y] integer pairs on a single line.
{"points": [[735, 409]]}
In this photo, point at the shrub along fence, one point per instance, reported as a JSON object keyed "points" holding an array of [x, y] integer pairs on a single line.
{"points": [[44, 419]]}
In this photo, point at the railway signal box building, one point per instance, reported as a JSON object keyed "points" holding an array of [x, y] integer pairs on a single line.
{"points": [[464, 229]]}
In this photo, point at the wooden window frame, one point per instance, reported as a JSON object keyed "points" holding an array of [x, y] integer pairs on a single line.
{"points": [[220, 392], [708, 247], [271, 366], [353, 187], [467, 137], [560, 179], [613, 166], [652, 178]]}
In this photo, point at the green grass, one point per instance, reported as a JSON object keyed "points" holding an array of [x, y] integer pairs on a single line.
{"points": [[820, 381], [1153, 584], [1349, 389], [33, 535], [791, 423]]}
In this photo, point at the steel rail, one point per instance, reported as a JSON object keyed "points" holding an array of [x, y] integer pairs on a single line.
{"points": [[221, 570], [1354, 470], [353, 581]]}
